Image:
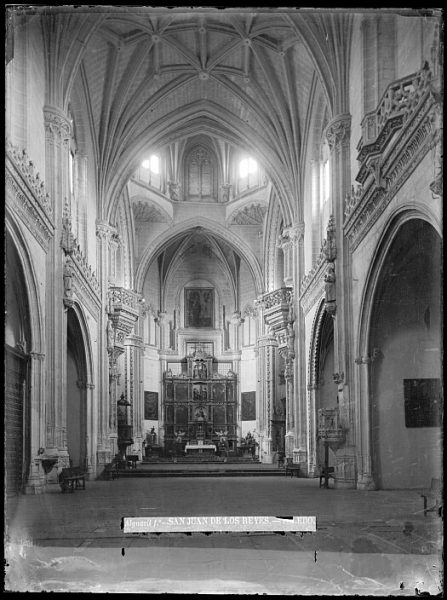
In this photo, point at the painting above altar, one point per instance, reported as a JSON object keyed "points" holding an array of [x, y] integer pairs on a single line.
{"points": [[199, 307]]}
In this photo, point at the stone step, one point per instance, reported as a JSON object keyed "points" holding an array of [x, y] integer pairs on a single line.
{"points": [[203, 473]]}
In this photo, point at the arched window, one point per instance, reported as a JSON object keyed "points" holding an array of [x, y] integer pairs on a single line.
{"points": [[149, 171], [249, 174], [321, 194], [201, 175]]}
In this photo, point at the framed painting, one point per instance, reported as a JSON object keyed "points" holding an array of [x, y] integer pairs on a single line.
{"points": [[199, 307], [151, 406]]}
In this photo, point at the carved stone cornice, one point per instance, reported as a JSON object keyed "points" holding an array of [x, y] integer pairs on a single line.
{"points": [[26, 196], [405, 128], [338, 132]]}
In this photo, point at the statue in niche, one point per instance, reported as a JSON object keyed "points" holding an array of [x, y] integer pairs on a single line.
{"points": [[110, 335], [329, 279], [68, 276], [199, 370], [200, 414]]}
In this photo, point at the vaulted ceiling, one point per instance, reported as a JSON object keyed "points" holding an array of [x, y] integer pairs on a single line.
{"points": [[156, 75]]}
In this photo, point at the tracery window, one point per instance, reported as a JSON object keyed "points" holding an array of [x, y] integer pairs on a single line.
{"points": [[201, 175]]}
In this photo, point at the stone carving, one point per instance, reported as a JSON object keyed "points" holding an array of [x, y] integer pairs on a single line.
{"points": [[338, 132], [57, 126], [173, 190], [249, 215], [226, 189], [146, 212], [330, 300], [68, 278]]}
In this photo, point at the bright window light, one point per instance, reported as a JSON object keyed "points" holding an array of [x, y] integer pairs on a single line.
{"points": [[247, 166], [152, 163]]}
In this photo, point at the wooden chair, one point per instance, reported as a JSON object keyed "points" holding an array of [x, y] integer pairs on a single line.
{"points": [[326, 473], [291, 468]]}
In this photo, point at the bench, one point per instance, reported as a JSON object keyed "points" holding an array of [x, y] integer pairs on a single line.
{"points": [[71, 478], [326, 473], [433, 495], [291, 468]]}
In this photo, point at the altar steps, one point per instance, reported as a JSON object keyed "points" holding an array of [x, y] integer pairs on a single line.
{"points": [[200, 460], [203, 467]]}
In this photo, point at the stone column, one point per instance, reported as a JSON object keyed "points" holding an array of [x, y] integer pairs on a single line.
{"points": [[338, 134], [292, 243], [135, 388], [57, 138], [104, 234], [267, 346], [365, 479], [92, 428], [312, 431]]}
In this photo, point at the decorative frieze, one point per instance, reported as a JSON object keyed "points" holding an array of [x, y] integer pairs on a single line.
{"points": [[25, 167], [26, 196]]}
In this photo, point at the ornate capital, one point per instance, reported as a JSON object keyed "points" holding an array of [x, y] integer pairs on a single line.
{"points": [[104, 230], [338, 132], [37, 356]]}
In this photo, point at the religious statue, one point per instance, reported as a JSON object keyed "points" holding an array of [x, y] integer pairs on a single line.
{"points": [[199, 370], [222, 436], [329, 278], [200, 414], [68, 275], [153, 436], [179, 436], [110, 335]]}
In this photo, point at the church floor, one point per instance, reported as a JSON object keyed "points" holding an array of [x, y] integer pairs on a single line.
{"points": [[367, 543]]}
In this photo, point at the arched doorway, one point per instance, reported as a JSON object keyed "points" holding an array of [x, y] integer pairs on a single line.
{"points": [[405, 346], [76, 406], [17, 393], [322, 391], [326, 391]]}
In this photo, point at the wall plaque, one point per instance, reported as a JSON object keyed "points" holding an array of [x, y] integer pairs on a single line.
{"points": [[422, 402], [151, 406], [248, 408]]}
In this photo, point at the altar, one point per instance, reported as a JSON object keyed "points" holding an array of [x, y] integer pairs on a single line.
{"points": [[200, 448]]}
